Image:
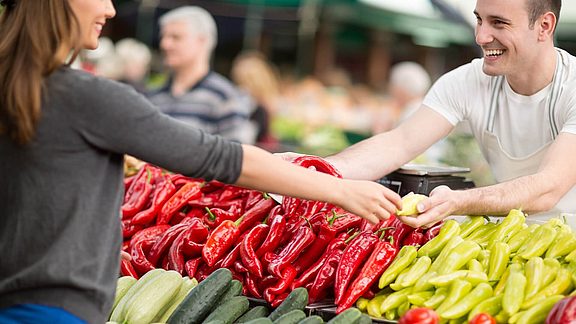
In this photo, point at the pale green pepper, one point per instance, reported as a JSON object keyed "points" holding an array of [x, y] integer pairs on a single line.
{"points": [[484, 258], [423, 284], [419, 298], [538, 312], [510, 226], [474, 277], [559, 286], [435, 301], [452, 244], [514, 318], [481, 292], [481, 231], [490, 306], [470, 224], [409, 203], [403, 259], [458, 289], [396, 284], [571, 256], [403, 308], [499, 258], [459, 256], [542, 238], [551, 267], [390, 314], [416, 271], [395, 299], [514, 292], [518, 239], [373, 306], [499, 289], [362, 303], [502, 317], [565, 244], [475, 265], [534, 271], [434, 246]]}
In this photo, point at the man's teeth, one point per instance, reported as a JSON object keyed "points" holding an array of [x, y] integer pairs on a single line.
{"points": [[98, 26], [494, 52]]}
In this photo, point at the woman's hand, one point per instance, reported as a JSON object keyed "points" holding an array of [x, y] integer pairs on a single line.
{"points": [[125, 256]]}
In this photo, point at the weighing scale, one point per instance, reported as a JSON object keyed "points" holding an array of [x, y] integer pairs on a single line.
{"points": [[421, 179]]}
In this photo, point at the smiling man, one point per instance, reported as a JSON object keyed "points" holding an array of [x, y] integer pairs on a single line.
{"points": [[520, 100]]}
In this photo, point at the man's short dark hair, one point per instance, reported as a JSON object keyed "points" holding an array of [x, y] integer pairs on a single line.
{"points": [[536, 8]]}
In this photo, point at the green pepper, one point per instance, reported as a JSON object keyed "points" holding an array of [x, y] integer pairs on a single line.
{"points": [[422, 283], [390, 314], [475, 265], [419, 298], [514, 292], [459, 256], [490, 306], [518, 239], [434, 246], [502, 317], [551, 267], [409, 203], [452, 244], [538, 312], [474, 277], [484, 258], [481, 292], [510, 226], [396, 284], [571, 267], [362, 303], [559, 286], [483, 241], [460, 320], [514, 318], [395, 299], [437, 299], [518, 260], [542, 238], [571, 256], [416, 271], [403, 308], [554, 222], [534, 270], [481, 231], [499, 258], [458, 289], [470, 224], [564, 245], [373, 306], [404, 258], [499, 289]]}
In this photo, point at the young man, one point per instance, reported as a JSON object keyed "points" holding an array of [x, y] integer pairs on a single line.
{"points": [[520, 100]]}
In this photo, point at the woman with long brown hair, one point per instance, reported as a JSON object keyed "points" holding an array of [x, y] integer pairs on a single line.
{"points": [[63, 137]]}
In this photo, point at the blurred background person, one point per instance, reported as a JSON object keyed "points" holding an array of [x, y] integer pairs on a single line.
{"points": [[135, 57], [253, 73], [195, 94]]}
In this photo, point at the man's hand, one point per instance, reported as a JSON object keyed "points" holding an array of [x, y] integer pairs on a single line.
{"points": [[288, 156], [439, 205]]}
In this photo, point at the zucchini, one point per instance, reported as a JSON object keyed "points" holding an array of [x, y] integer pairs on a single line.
{"points": [[216, 322], [349, 316], [199, 301], [292, 317], [229, 311], [365, 319], [235, 289], [187, 285], [153, 297], [315, 319], [119, 312], [254, 313], [122, 286], [261, 320], [298, 299]]}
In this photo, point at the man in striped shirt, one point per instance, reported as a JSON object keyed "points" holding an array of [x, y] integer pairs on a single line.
{"points": [[195, 94]]}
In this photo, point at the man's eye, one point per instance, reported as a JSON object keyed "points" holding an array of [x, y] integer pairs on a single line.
{"points": [[499, 22]]}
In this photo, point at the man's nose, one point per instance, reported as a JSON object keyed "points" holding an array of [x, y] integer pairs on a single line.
{"points": [[483, 35]]}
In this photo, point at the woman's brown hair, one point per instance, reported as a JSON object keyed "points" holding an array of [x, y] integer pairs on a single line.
{"points": [[36, 36]]}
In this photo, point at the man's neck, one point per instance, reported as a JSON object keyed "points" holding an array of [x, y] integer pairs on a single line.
{"points": [[536, 76], [187, 77]]}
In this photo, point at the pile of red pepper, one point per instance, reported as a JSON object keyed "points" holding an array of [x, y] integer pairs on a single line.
{"points": [[187, 225]]}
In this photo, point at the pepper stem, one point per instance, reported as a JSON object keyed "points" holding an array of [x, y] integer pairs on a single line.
{"points": [[307, 221], [212, 216], [335, 217], [352, 237], [239, 220], [383, 229], [149, 175], [203, 184], [265, 195], [185, 209]]}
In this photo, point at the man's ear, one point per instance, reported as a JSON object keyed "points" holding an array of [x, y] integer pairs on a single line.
{"points": [[546, 25]]}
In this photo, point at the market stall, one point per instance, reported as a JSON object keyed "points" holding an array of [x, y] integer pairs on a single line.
{"points": [[215, 253]]}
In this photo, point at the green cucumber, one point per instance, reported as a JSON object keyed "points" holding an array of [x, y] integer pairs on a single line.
{"points": [[199, 301], [292, 317], [254, 313], [187, 285], [261, 320], [365, 319], [122, 286], [216, 322], [314, 319], [298, 299], [153, 297], [119, 312], [349, 316], [229, 311], [235, 289]]}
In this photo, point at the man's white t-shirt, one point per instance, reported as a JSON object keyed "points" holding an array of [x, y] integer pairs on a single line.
{"points": [[523, 124]]}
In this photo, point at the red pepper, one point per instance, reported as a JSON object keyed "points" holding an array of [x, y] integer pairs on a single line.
{"points": [[179, 183], [301, 240], [317, 220], [252, 286], [256, 214], [127, 183], [205, 201], [229, 204], [367, 226], [233, 192], [277, 227], [369, 294], [196, 212], [268, 296], [194, 242], [267, 258], [141, 190], [141, 176], [239, 277], [326, 234], [386, 223], [152, 232], [175, 254], [309, 274], [563, 312], [165, 263], [432, 232], [239, 267], [177, 218], [288, 275], [188, 192], [319, 163], [216, 216], [126, 269], [220, 241], [164, 190], [421, 315], [279, 299], [345, 223], [399, 232], [249, 243], [290, 205], [415, 237], [163, 244], [326, 275], [231, 257], [212, 186], [138, 254], [379, 260], [254, 196], [126, 246], [204, 271], [266, 282], [354, 255], [192, 265], [129, 229]]}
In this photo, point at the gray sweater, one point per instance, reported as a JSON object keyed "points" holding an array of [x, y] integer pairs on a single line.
{"points": [[60, 197]]}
